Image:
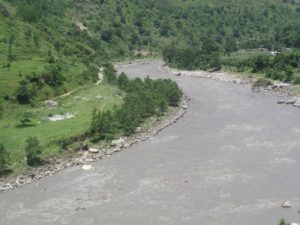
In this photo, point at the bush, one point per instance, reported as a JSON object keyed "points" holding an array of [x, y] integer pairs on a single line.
{"points": [[296, 80], [33, 150], [262, 82], [192, 58], [23, 95], [4, 159], [261, 63], [110, 75], [123, 81], [1, 110], [275, 74], [289, 74], [53, 76]]}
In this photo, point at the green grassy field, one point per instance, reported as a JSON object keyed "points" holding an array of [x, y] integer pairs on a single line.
{"points": [[81, 103]]}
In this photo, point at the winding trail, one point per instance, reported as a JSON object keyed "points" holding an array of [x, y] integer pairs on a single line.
{"points": [[232, 160]]}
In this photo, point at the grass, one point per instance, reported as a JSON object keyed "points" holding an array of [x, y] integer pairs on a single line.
{"points": [[81, 103]]}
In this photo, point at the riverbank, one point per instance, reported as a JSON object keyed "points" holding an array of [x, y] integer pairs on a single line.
{"points": [[82, 158], [289, 92]]}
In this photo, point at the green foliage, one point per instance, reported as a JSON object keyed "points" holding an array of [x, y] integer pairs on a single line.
{"points": [[296, 80], [53, 75], [283, 66], [33, 151], [110, 74], [230, 45], [262, 82], [35, 33], [1, 110], [261, 62], [23, 94], [275, 74], [123, 81], [289, 73], [144, 98], [208, 57], [4, 158], [282, 222]]}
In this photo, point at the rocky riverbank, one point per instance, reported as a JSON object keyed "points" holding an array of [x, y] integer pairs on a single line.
{"points": [[87, 157], [280, 89]]}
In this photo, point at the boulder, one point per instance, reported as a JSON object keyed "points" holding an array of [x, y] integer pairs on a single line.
{"points": [[280, 85], [93, 150], [185, 106], [51, 104], [118, 142], [281, 102], [286, 204], [237, 81], [126, 145], [291, 101], [138, 129], [87, 167]]}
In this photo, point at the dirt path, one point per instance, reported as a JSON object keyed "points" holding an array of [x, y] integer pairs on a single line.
{"points": [[232, 159], [99, 81]]}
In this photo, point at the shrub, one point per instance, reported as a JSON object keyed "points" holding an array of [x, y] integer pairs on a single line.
{"points": [[110, 74], [262, 82], [33, 150], [1, 110], [275, 74], [289, 74], [4, 158], [23, 95], [261, 63], [296, 80]]}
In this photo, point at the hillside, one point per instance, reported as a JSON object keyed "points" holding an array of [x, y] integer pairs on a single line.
{"points": [[71, 38]]}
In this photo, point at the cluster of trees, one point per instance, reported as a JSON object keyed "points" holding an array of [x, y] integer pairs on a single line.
{"points": [[33, 151], [280, 67], [33, 10], [144, 98], [53, 76], [33, 83], [4, 159], [207, 57]]}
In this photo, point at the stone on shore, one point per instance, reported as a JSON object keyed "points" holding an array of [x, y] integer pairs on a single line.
{"points": [[93, 150], [286, 204], [51, 104]]}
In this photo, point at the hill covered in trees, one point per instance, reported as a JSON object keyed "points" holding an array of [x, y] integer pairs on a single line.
{"points": [[50, 46]]}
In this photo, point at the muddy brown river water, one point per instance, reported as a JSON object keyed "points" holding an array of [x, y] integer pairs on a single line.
{"points": [[233, 159]]}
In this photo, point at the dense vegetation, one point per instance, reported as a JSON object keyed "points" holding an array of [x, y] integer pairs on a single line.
{"points": [[144, 98], [283, 66], [51, 46]]}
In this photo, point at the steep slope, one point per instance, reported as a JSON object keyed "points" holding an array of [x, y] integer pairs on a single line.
{"points": [[53, 46]]}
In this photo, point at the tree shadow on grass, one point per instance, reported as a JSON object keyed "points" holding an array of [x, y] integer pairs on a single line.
{"points": [[24, 126], [39, 162], [5, 172]]}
